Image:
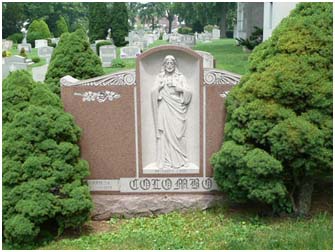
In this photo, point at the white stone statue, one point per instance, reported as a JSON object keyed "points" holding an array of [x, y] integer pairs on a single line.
{"points": [[170, 100], [109, 34]]}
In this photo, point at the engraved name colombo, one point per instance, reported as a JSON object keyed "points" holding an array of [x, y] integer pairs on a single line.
{"points": [[171, 184]]}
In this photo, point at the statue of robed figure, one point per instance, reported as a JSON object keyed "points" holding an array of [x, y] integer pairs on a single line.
{"points": [[170, 100]]}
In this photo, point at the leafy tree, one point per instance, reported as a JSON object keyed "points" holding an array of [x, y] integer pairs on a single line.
{"points": [[73, 56], [74, 13], [278, 134], [38, 29], [170, 12], [133, 9], [152, 11], [12, 18], [43, 189], [61, 26], [119, 23], [197, 15], [99, 21]]}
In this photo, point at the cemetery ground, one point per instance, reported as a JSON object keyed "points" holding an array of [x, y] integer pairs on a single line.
{"points": [[228, 56], [226, 227]]}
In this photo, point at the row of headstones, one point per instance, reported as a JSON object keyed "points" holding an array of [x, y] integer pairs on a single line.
{"points": [[191, 40], [107, 53], [141, 39], [38, 44], [16, 62]]}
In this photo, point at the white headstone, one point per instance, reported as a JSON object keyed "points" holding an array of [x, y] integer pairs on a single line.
{"points": [[14, 59], [208, 59], [27, 47], [216, 33], [149, 38], [6, 45], [41, 43], [130, 52], [12, 66], [45, 52], [55, 41], [107, 54], [188, 40]]}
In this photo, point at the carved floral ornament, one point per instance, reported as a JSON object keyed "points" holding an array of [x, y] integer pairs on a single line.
{"points": [[100, 96], [128, 78]]}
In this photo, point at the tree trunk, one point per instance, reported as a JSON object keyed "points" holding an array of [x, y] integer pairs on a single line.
{"points": [[170, 24], [153, 23], [304, 196], [223, 20]]}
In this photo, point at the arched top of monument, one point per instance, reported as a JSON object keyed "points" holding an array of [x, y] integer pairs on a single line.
{"points": [[182, 49]]}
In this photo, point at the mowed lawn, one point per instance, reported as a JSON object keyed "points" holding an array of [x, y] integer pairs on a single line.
{"points": [[216, 229], [227, 54]]}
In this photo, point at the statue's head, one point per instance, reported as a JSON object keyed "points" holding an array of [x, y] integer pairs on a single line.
{"points": [[169, 64]]}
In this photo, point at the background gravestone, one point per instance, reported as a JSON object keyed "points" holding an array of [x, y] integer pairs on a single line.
{"points": [[208, 59], [216, 33], [7, 45], [55, 40], [27, 47], [45, 52], [130, 52], [41, 43], [13, 63], [107, 54]]}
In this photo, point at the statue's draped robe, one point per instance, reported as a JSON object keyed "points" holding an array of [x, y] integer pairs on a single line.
{"points": [[169, 112]]}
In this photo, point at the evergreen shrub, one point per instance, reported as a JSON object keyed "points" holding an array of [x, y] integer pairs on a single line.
{"points": [[278, 133], [38, 29], [185, 30], [16, 37], [73, 56], [61, 27], [43, 191], [119, 23]]}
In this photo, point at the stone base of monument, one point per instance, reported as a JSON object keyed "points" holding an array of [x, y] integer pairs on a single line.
{"points": [[153, 169], [108, 206]]}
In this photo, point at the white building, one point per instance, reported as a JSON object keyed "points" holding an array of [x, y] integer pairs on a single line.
{"points": [[274, 12], [249, 15], [265, 15]]}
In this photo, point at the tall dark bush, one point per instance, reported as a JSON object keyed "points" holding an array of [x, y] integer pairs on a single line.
{"points": [[102, 43], [43, 191], [38, 29], [73, 56], [99, 21], [61, 27], [119, 22], [278, 134]]}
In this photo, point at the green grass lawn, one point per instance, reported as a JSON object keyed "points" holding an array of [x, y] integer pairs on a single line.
{"points": [[228, 56], [216, 229]]}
